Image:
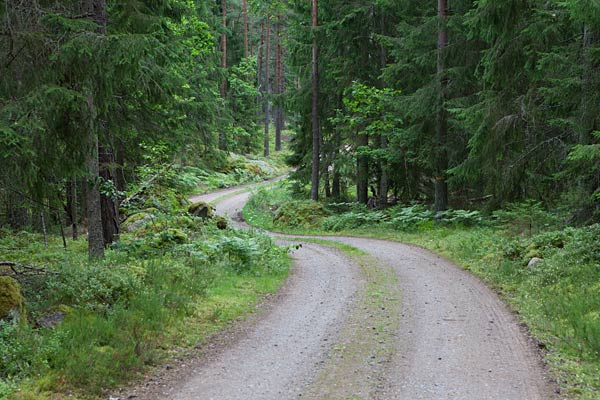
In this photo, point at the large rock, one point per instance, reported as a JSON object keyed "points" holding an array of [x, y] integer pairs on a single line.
{"points": [[202, 209], [136, 221], [533, 262], [11, 301]]}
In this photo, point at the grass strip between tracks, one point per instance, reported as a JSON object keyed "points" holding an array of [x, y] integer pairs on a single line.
{"points": [[357, 362]]}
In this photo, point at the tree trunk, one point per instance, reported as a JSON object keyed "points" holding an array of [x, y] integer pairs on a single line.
{"points": [[315, 106], [383, 178], [326, 184], [441, 186], [224, 45], [109, 205], [222, 140], [120, 166], [588, 111], [362, 172], [278, 87], [335, 184], [93, 206], [98, 11], [383, 142], [245, 12], [267, 83], [337, 144], [259, 75], [72, 207]]}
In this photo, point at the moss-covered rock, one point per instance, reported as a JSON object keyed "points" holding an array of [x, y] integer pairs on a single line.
{"points": [[202, 209], [304, 213], [184, 221], [136, 221], [171, 236], [221, 222], [11, 301]]}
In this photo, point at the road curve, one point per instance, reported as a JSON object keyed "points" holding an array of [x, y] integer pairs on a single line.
{"points": [[280, 356], [455, 339]]}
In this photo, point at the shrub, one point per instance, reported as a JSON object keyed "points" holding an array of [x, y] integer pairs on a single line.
{"points": [[350, 220], [528, 217], [410, 217], [94, 287], [462, 217]]}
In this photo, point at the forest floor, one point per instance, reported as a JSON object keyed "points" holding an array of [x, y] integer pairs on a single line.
{"points": [[365, 319]]}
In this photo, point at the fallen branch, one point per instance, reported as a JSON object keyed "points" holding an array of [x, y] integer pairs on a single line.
{"points": [[24, 269]]}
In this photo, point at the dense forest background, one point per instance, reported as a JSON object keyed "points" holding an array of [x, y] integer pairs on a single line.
{"points": [[467, 105], [477, 104], [471, 128]]}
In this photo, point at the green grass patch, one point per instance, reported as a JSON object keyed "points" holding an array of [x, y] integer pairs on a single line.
{"points": [[558, 298]]}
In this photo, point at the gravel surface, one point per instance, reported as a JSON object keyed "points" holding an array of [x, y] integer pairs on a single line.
{"points": [[454, 338], [279, 358], [457, 340]]}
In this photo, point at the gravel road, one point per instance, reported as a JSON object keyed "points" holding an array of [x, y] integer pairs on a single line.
{"points": [[454, 338]]}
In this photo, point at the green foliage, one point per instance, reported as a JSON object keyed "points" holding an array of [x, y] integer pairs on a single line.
{"points": [[276, 209], [354, 219], [23, 352], [401, 218], [527, 217], [122, 310], [119, 314], [94, 287], [411, 217]]}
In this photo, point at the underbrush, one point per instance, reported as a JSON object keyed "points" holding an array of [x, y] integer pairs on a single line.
{"points": [[170, 281], [558, 297], [277, 208]]}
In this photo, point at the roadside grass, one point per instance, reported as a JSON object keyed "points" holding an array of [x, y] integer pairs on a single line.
{"points": [[152, 297], [558, 298]]}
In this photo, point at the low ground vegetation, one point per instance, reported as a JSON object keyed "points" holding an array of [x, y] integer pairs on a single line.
{"points": [[557, 297], [170, 281]]}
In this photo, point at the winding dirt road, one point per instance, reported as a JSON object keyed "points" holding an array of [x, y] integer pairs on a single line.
{"points": [[396, 322]]}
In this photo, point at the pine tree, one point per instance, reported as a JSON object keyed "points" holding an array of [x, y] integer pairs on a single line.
{"points": [[316, 152]]}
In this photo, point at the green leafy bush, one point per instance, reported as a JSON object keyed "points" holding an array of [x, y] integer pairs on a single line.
{"points": [[94, 287], [410, 217], [24, 352], [462, 217], [353, 219]]}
